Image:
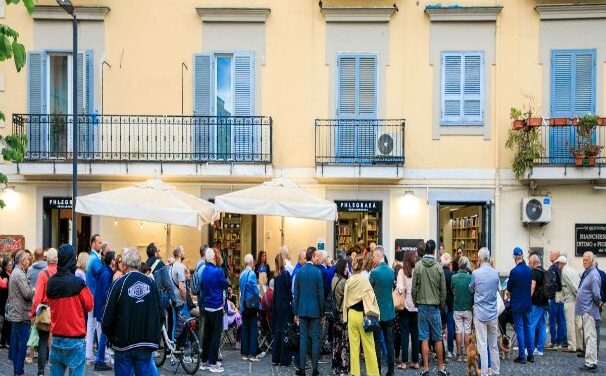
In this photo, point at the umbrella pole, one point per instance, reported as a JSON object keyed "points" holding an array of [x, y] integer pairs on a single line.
{"points": [[282, 232], [168, 251]]}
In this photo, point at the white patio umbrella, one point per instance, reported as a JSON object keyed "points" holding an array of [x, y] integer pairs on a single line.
{"points": [[279, 197], [151, 201]]}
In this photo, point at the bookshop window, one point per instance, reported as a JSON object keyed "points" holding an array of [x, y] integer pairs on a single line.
{"points": [[359, 222]]}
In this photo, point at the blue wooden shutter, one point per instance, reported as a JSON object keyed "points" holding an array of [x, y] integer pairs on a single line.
{"points": [[346, 106], [572, 94], [367, 105], [86, 99], [473, 70], [451, 87], [203, 137], [244, 93], [36, 100], [81, 84], [89, 90]]}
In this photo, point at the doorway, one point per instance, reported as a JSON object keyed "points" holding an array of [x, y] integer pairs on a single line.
{"points": [[57, 224], [466, 226]]}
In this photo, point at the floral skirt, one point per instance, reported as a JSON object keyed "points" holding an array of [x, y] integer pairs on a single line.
{"points": [[340, 349]]}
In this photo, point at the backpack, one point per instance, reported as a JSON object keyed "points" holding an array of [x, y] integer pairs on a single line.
{"points": [[194, 281], [603, 285], [550, 284], [161, 277], [331, 311]]}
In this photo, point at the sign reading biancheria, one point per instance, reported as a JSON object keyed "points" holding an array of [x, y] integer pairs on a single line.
{"points": [[590, 237]]}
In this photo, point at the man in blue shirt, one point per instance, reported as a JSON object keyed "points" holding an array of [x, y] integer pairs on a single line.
{"points": [[518, 285], [94, 266], [249, 289]]}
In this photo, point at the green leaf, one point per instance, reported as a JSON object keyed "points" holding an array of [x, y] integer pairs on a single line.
{"points": [[5, 48], [30, 5], [19, 55], [12, 2], [3, 118]]}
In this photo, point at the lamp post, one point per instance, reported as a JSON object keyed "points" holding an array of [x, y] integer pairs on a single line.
{"points": [[69, 8]]}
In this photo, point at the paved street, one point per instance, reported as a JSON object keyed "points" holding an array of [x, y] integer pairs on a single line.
{"points": [[552, 364]]}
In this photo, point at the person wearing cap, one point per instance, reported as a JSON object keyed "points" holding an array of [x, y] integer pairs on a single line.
{"points": [[518, 286], [570, 289]]}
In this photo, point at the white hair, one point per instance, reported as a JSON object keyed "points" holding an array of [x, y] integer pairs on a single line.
{"points": [[248, 259], [131, 257], [271, 283], [445, 259], [484, 254], [209, 255], [379, 248], [284, 251], [52, 256], [463, 261]]}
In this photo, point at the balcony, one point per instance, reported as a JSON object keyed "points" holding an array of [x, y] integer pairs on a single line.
{"points": [[359, 148], [558, 162], [147, 139]]}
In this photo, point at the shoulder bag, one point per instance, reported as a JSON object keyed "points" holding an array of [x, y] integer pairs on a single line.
{"points": [[251, 303]]}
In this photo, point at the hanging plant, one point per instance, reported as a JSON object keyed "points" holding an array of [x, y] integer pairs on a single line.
{"points": [[528, 148]]}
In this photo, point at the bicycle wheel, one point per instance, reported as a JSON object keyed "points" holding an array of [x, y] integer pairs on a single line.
{"points": [[190, 359], [160, 354]]}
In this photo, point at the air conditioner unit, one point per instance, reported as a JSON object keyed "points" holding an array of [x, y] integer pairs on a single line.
{"points": [[536, 209], [385, 145]]}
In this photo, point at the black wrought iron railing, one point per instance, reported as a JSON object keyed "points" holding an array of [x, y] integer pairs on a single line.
{"points": [[147, 138], [559, 141], [360, 142]]}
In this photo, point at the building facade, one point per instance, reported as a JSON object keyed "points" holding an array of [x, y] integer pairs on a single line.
{"points": [[399, 112]]}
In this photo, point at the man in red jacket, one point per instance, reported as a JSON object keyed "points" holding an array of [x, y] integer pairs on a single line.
{"points": [[70, 300]]}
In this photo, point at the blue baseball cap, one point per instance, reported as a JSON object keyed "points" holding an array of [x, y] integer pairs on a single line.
{"points": [[517, 251]]}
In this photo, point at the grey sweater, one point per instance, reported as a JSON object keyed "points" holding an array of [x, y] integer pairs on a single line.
{"points": [[20, 296]]}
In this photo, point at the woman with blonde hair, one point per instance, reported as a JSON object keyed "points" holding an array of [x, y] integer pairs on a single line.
{"points": [[81, 265], [359, 301]]}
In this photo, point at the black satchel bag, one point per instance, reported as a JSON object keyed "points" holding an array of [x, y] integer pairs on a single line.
{"points": [[252, 303], [291, 337]]}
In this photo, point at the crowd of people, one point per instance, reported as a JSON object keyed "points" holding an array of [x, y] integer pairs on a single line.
{"points": [[425, 304]]}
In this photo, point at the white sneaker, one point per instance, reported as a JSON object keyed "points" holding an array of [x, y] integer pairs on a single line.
{"points": [[449, 355], [254, 359], [537, 352], [245, 357], [216, 369], [204, 367]]}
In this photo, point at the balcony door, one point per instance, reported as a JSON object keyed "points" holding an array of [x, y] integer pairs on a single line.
{"points": [[572, 95], [224, 91], [356, 108], [59, 103]]}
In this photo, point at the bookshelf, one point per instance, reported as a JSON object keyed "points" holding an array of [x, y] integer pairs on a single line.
{"points": [[466, 235], [372, 228], [345, 237]]}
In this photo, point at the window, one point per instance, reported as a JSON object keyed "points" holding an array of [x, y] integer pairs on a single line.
{"points": [[356, 106], [224, 90], [462, 88], [572, 94]]}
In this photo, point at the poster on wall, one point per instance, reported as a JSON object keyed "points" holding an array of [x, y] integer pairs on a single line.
{"points": [[407, 245], [10, 243], [590, 237]]}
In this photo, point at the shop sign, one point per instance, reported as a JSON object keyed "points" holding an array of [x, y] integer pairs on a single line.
{"points": [[57, 202], [359, 206], [10, 243], [590, 237], [403, 245]]}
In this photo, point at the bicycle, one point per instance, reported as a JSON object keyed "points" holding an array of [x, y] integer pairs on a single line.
{"points": [[184, 351]]}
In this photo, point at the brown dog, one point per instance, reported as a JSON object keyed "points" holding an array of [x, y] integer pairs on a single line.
{"points": [[472, 357], [505, 346]]}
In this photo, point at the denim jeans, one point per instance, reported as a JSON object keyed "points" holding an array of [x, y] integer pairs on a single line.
{"points": [[557, 323], [521, 324], [409, 326], [450, 329], [18, 346], [101, 348], [430, 323], [67, 354], [538, 326], [309, 327], [250, 334], [137, 362]]}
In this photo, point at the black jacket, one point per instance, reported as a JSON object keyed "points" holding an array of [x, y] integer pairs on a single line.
{"points": [[133, 315]]}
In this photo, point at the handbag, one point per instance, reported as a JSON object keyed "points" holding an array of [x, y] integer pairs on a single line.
{"points": [[398, 300], [500, 304], [291, 337], [251, 303], [43, 318], [371, 323]]}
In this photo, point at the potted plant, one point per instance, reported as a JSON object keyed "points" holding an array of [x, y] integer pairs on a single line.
{"points": [[559, 122], [515, 114], [585, 151], [528, 148]]}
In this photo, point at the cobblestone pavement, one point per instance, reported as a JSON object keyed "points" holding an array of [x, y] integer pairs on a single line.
{"points": [[552, 364]]}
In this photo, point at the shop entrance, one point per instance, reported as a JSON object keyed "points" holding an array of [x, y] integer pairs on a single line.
{"points": [[235, 235], [466, 226], [57, 224], [359, 222]]}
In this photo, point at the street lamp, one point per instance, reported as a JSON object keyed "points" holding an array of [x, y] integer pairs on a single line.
{"points": [[69, 8]]}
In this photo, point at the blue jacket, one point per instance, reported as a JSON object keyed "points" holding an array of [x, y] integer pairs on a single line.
{"points": [[248, 287], [518, 285], [213, 284], [325, 281], [309, 292], [93, 270], [294, 274], [381, 280], [104, 282]]}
